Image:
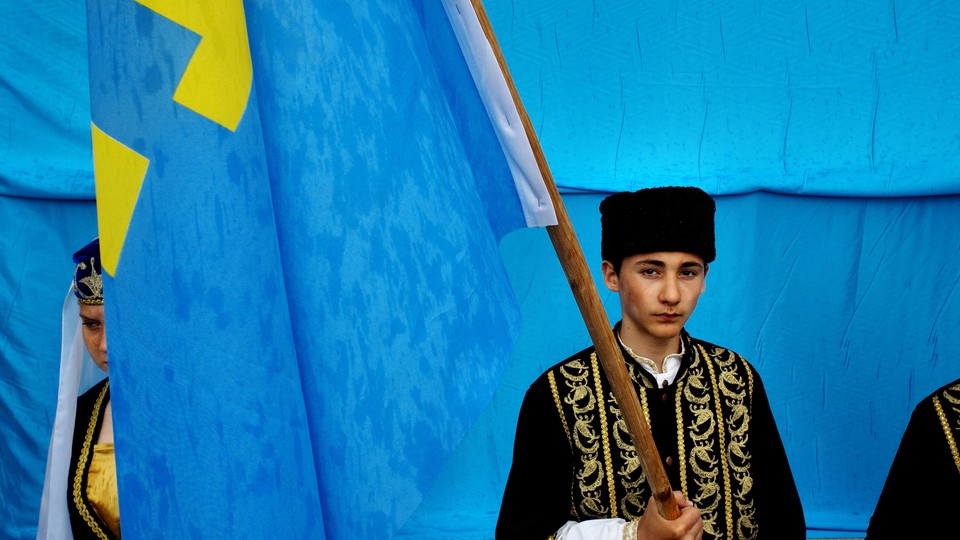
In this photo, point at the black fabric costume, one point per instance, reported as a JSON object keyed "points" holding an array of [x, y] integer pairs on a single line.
{"points": [[83, 519], [926, 469], [573, 459]]}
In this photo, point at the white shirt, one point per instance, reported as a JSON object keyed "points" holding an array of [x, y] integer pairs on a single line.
{"points": [[671, 365]]}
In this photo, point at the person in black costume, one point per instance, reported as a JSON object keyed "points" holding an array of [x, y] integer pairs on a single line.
{"points": [[92, 482], [80, 497], [927, 463], [575, 471]]}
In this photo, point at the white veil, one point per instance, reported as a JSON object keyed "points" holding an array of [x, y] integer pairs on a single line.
{"points": [[77, 374]]}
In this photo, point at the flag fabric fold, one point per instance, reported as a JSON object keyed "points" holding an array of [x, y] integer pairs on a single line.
{"points": [[210, 420]]}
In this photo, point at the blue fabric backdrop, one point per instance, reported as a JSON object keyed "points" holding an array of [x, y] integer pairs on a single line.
{"points": [[845, 303], [46, 212], [809, 98]]}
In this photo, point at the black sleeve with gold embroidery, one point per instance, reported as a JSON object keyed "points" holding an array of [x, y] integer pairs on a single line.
{"points": [[84, 521], [926, 468], [537, 496]]}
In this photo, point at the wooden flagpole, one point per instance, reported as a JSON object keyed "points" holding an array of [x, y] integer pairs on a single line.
{"points": [[585, 291]]}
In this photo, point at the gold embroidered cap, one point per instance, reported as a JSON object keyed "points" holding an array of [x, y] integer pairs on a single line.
{"points": [[87, 280]]}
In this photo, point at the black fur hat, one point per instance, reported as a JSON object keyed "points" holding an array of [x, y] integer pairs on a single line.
{"points": [[657, 219]]}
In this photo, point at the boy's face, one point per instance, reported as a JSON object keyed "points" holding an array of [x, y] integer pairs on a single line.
{"points": [[658, 291]]}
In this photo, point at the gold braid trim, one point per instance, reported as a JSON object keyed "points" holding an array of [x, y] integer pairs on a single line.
{"points": [[605, 440], [566, 429], [82, 465], [951, 442], [643, 404], [681, 450], [556, 401], [721, 437]]}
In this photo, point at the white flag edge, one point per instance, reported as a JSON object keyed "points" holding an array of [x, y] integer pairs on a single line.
{"points": [[538, 209]]}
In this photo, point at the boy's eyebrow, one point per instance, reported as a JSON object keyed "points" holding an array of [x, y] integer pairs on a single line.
{"points": [[661, 264]]}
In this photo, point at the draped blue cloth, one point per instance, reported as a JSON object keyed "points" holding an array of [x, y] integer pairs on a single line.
{"points": [[811, 98], [284, 361], [828, 130]]}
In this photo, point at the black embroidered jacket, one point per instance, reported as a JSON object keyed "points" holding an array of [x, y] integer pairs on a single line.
{"points": [[574, 460], [926, 468]]}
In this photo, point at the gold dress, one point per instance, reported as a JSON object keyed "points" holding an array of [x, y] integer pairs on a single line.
{"points": [[102, 486], [92, 484]]}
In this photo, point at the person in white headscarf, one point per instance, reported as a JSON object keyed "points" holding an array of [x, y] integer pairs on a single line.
{"points": [[80, 488]]}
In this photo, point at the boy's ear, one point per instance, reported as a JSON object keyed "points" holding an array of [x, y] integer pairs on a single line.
{"points": [[610, 277]]}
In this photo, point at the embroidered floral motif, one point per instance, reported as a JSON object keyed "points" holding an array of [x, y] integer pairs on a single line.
{"points": [[93, 295], [713, 411], [734, 389], [701, 428], [585, 439], [605, 439], [632, 479]]}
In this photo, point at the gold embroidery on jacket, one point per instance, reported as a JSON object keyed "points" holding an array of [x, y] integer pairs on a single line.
{"points": [[605, 442], [702, 456], [724, 466], [586, 441], [556, 400], [681, 453], [954, 401], [642, 394], [632, 478], [82, 465], [552, 379], [734, 390], [633, 370], [713, 410]]}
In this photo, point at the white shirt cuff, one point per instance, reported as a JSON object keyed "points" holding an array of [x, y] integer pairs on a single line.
{"points": [[598, 529]]}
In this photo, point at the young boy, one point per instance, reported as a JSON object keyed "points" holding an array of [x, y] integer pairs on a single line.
{"points": [[575, 470]]}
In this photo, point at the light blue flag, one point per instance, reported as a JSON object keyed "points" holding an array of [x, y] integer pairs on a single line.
{"points": [[306, 302], [392, 192], [211, 425]]}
